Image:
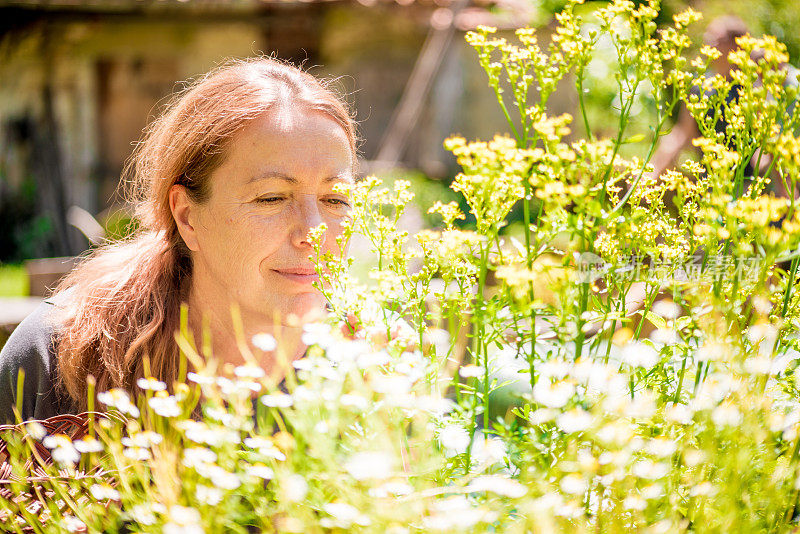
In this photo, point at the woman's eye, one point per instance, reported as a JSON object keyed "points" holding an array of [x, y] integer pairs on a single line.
{"points": [[269, 200], [339, 202]]}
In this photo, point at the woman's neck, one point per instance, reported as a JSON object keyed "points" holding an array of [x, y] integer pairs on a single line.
{"points": [[232, 331]]}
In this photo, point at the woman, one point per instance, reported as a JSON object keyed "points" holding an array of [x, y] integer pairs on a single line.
{"points": [[227, 183]]}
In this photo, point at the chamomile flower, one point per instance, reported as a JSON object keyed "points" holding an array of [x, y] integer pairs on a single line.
{"points": [[151, 384], [454, 438], [266, 447], [376, 465], [576, 420], [277, 400], [208, 495], [165, 406], [499, 485], [260, 471], [343, 515], [265, 342], [119, 399], [104, 492], [249, 371], [88, 444], [62, 450], [195, 456]]}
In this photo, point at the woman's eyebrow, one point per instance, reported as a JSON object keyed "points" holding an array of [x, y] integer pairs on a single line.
{"points": [[276, 175], [272, 175], [345, 176]]}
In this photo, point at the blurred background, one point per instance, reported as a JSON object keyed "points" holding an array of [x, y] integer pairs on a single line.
{"points": [[80, 79]]}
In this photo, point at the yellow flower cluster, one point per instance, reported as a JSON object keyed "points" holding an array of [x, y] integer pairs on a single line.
{"points": [[492, 177], [450, 212]]}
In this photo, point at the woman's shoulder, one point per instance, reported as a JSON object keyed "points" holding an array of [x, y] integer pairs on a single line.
{"points": [[31, 349], [33, 337]]}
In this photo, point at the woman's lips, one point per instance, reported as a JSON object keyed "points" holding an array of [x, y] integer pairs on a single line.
{"points": [[301, 276]]}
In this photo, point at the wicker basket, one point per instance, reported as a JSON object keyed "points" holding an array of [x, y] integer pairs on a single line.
{"points": [[73, 426]]}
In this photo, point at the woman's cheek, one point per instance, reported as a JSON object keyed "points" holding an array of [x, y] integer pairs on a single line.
{"points": [[260, 225], [335, 230]]}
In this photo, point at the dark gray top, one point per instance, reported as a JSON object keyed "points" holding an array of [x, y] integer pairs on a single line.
{"points": [[31, 348]]}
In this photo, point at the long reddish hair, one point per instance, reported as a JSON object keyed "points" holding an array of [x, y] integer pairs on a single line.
{"points": [[123, 301]]}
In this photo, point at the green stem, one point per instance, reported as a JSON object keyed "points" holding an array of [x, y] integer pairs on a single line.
{"points": [[787, 297], [508, 117], [481, 347], [582, 106], [650, 153], [697, 378], [680, 382], [622, 310], [623, 123], [793, 499], [789, 284], [738, 188], [646, 306], [526, 216], [581, 334]]}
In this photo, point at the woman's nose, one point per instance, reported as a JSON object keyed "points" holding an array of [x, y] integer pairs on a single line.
{"points": [[308, 217]]}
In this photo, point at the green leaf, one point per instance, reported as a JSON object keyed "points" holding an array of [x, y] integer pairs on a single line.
{"points": [[683, 322], [657, 320], [638, 138]]}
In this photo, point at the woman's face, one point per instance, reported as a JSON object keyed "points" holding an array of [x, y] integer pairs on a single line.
{"points": [[249, 239]]}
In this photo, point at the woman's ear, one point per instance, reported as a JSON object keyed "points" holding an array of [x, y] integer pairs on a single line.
{"points": [[183, 209]]}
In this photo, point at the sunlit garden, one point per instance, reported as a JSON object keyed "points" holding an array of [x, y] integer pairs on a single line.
{"points": [[578, 341]]}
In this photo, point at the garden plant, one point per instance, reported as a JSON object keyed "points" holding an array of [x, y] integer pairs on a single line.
{"points": [[622, 360]]}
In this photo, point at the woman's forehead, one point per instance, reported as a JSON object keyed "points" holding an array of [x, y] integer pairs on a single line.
{"points": [[286, 119], [290, 146]]}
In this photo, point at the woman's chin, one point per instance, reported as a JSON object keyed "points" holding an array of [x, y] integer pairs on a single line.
{"points": [[304, 309]]}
